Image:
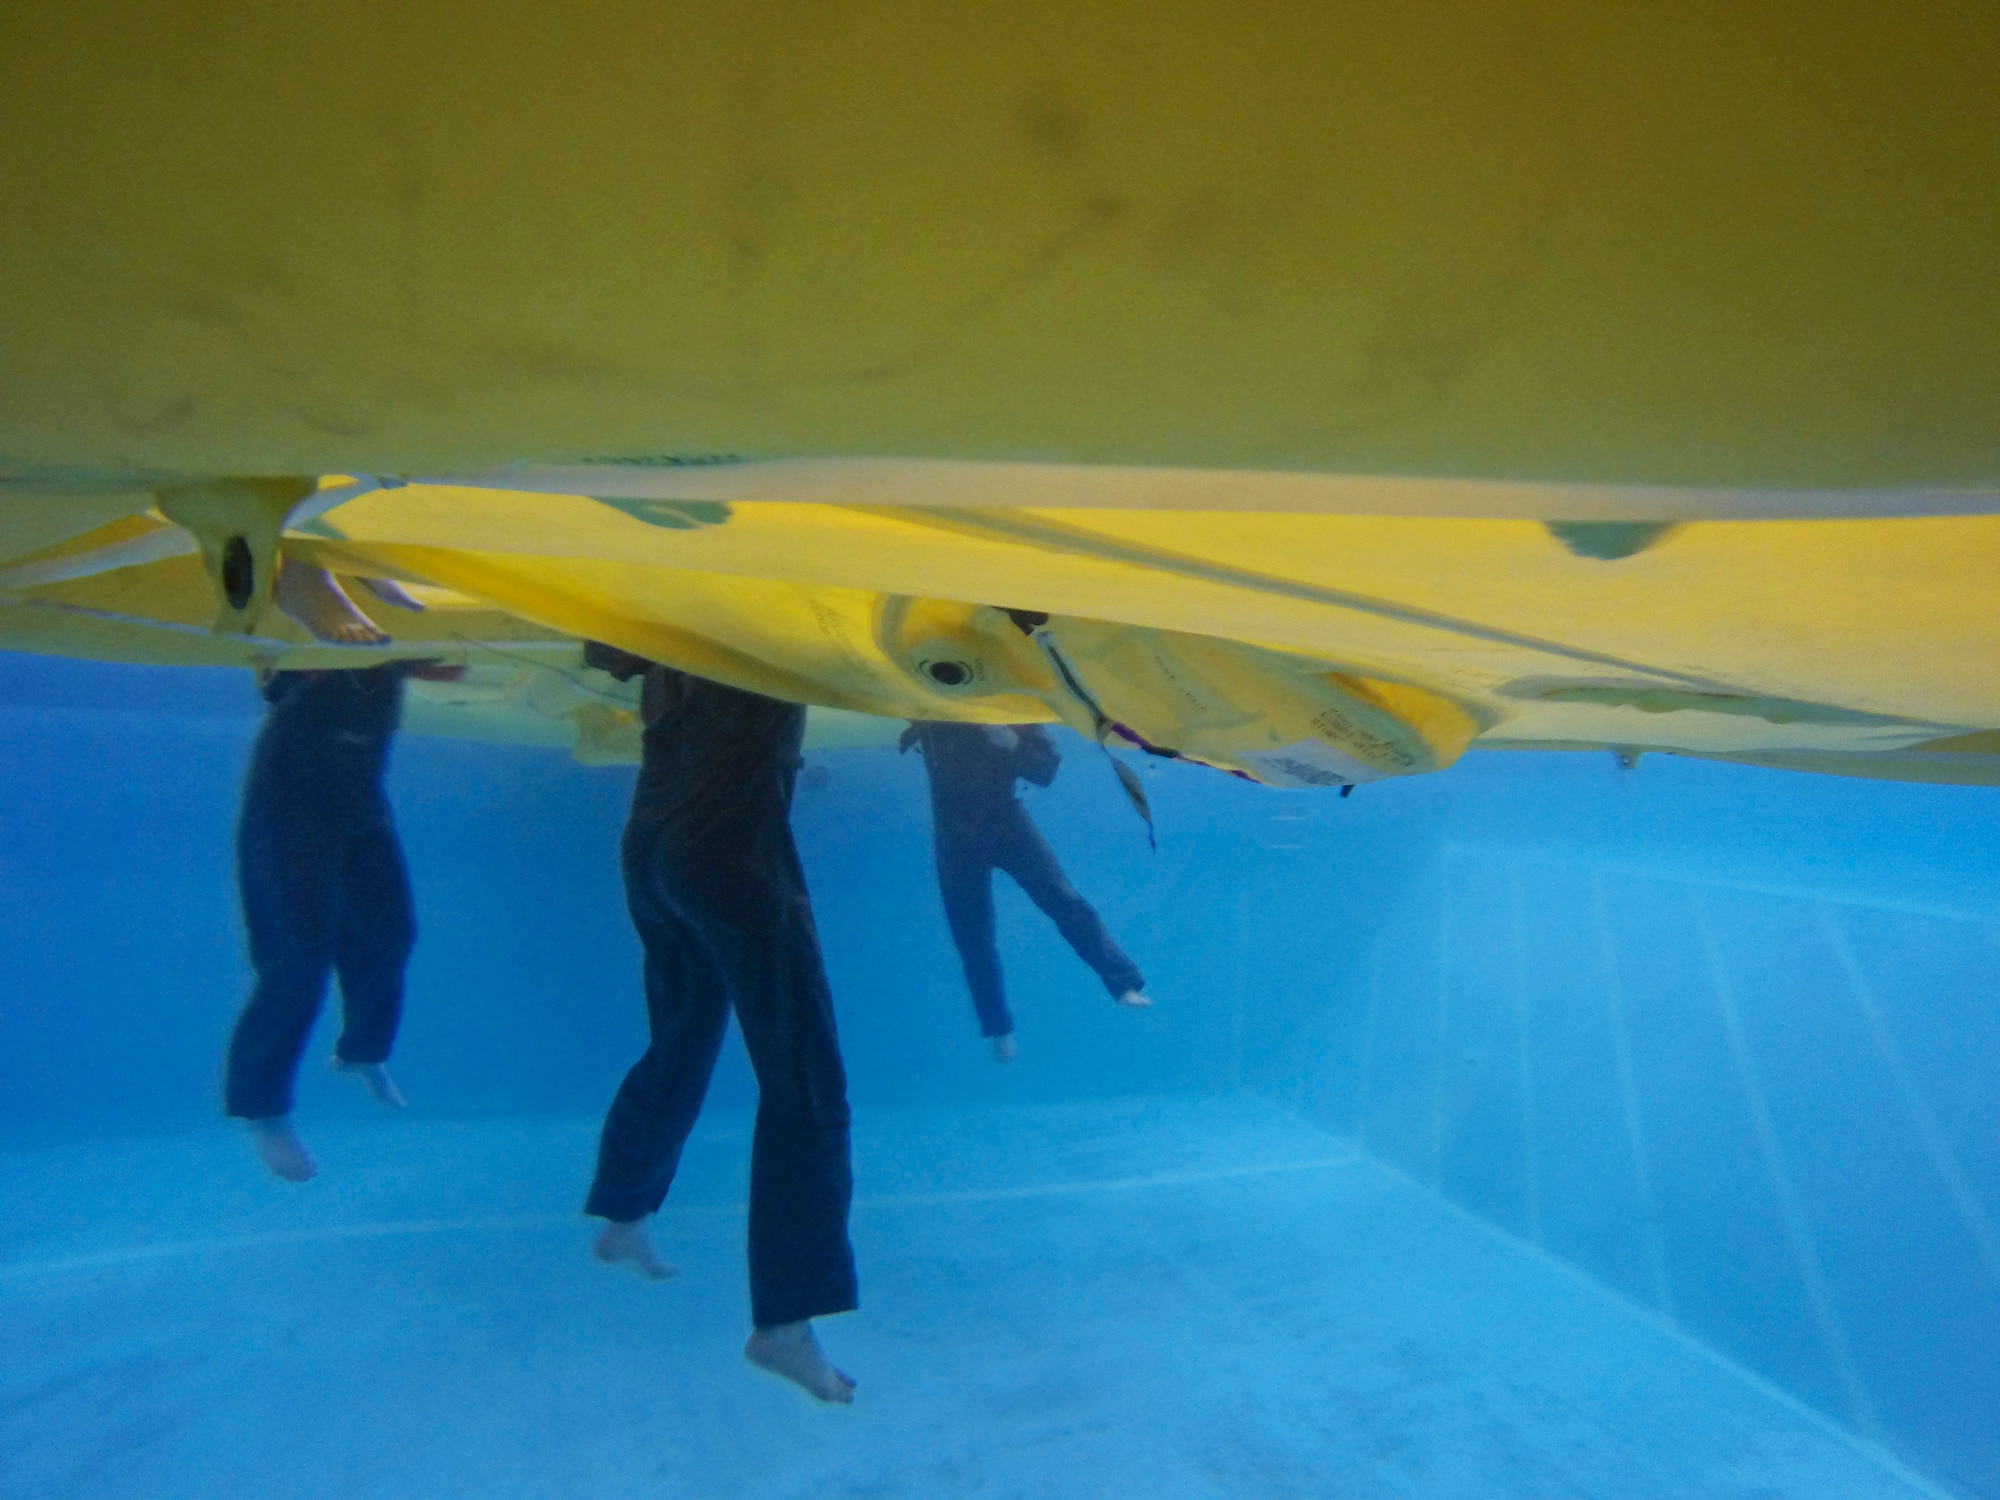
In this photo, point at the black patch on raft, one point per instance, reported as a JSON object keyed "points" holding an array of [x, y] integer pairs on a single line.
{"points": [[673, 515], [239, 573], [1607, 541]]}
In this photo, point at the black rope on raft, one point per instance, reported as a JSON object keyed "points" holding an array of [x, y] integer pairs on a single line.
{"points": [[1034, 625]]}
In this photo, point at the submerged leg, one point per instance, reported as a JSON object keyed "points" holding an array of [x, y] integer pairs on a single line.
{"points": [[760, 927], [309, 596], [1023, 853], [632, 1244], [792, 1350], [264, 1053], [965, 881], [687, 1012], [375, 1078], [372, 946], [279, 1148], [268, 1037], [801, 1178], [288, 861]]}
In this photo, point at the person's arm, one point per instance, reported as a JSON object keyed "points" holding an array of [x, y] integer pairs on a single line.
{"points": [[1036, 758], [622, 665]]}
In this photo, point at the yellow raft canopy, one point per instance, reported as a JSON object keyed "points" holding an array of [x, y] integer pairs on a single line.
{"points": [[1313, 390], [1293, 646]]}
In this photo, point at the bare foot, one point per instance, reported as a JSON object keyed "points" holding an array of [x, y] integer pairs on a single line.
{"points": [[631, 1244], [392, 593], [1005, 1048], [309, 596], [792, 1350], [280, 1149], [1135, 1000], [375, 1078]]}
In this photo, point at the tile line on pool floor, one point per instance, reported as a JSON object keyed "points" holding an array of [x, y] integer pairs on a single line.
{"points": [[514, 1223]]}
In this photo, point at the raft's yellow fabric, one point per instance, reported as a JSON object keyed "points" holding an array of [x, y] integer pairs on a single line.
{"points": [[1765, 631], [1705, 243], [1358, 295], [1814, 643]]}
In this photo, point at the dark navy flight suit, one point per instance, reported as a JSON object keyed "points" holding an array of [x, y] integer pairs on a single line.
{"points": [[715, 888], [323, 881], [979, 826]]}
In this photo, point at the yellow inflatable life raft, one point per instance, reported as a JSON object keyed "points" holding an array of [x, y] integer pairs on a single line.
{"points": [[1274, 719], [1346, 383]]}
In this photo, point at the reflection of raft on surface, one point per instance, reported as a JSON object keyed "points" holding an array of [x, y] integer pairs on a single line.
{"points": [[1295, 648], [562, 705]]}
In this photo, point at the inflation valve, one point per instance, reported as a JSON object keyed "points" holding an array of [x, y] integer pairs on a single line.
{"points": [[237, 522]]}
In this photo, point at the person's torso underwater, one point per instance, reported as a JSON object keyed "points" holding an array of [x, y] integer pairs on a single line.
{"points": [[329, 732], [717, 760], [973, 769]]}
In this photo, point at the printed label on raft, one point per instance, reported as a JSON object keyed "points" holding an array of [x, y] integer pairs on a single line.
{"points": [[1305, 763], [1334, 725]]}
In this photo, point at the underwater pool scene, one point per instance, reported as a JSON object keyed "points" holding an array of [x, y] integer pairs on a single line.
{"points": [[1012, 750], [1546, 1126]]}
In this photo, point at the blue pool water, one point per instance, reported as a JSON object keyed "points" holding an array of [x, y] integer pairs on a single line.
{"points": [[1532, 1129]]}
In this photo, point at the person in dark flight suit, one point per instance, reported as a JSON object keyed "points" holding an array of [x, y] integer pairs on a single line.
{"points": [[979, 826], [717, 893], [324, 890], [324, 886]]}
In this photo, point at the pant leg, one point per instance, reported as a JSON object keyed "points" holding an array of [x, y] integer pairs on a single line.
{"points": [[758, 921], [965, 881], [289, 854], [687, 1012], [378, 928], [1023, 853]]}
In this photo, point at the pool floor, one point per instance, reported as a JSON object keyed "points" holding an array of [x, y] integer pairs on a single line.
{"points": [[1152, 1297]]}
